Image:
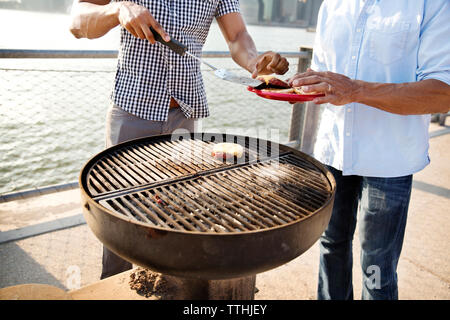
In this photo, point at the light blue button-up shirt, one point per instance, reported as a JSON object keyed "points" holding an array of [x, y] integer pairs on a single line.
{"points": [[379, 41]]}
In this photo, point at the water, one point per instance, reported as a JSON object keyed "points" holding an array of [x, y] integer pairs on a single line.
{"points": [[52, 122]]}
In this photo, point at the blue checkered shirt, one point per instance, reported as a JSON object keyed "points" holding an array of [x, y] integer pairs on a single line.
{"points": [[149, 75]]}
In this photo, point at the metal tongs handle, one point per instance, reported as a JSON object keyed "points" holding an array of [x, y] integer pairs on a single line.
{"points": [[173, 44]]}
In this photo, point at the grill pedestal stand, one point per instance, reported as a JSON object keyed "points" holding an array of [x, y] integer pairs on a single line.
{"points": [[232, 289], [197, 289]]}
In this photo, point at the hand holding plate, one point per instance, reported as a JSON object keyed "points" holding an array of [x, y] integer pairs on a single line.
{"points": [[337, 88]]}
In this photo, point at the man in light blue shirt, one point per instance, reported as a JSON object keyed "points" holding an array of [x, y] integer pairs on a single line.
{"points": [[384, 67]]}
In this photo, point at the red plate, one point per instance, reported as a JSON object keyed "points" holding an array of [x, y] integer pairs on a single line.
{"points": [[291, 97]]}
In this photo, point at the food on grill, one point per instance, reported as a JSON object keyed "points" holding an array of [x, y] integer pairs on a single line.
{"points": [[227, 151], [273, 84]]}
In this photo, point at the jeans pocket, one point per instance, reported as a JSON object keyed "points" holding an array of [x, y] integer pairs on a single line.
{"points": [[387, 44]]}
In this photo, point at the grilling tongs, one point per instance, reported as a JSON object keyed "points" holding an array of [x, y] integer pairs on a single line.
{"points": [[223, 74]]}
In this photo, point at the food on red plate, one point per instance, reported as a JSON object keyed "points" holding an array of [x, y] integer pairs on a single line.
{"points": [[299, 90], [289, 90], [227, 150], [273, 84]]}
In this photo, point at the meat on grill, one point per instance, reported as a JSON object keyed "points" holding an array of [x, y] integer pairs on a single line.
{"points": [[227, 151]]}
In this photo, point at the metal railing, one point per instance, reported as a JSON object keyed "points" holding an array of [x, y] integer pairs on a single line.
{"points": [[53, 105], [98, 54]]}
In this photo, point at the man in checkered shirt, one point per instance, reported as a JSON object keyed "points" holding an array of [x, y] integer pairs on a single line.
{"points": [[157, 91]]}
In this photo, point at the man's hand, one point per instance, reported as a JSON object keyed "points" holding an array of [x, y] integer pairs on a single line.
{"points": [[243, 50], [420, 97], [338, 89], [137, 20], [270, 62]]}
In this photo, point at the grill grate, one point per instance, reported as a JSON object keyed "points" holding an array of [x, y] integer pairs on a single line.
{"points": [[261, 193], [143, 164]]}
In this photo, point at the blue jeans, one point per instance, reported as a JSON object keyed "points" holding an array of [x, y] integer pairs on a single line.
{"points": [[383, 206]]}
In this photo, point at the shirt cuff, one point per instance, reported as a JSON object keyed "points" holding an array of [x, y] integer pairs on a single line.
{"points": [[227, 6], [438, 76]]}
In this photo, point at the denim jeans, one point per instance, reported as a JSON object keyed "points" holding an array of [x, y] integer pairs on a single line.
{"points": [[383, 206]]}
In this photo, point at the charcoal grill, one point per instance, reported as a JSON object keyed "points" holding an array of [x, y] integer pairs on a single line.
{"points": [[166, 204]]}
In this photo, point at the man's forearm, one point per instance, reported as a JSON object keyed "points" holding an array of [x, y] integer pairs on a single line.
{"points": [[243, 51], [92, 21], [422, 97], [240, 43]]}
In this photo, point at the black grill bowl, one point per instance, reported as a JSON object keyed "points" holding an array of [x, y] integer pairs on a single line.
{"points": [[197, 254]]}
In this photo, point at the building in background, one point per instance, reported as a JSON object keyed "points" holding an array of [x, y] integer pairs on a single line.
{"points": [[61, 6], [286, 13]]}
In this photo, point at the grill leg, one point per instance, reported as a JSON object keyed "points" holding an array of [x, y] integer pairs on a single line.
{"points": [[232, 289]]}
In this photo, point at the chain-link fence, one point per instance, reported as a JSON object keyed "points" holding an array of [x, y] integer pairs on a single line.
{"points": [[52, 115]]}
